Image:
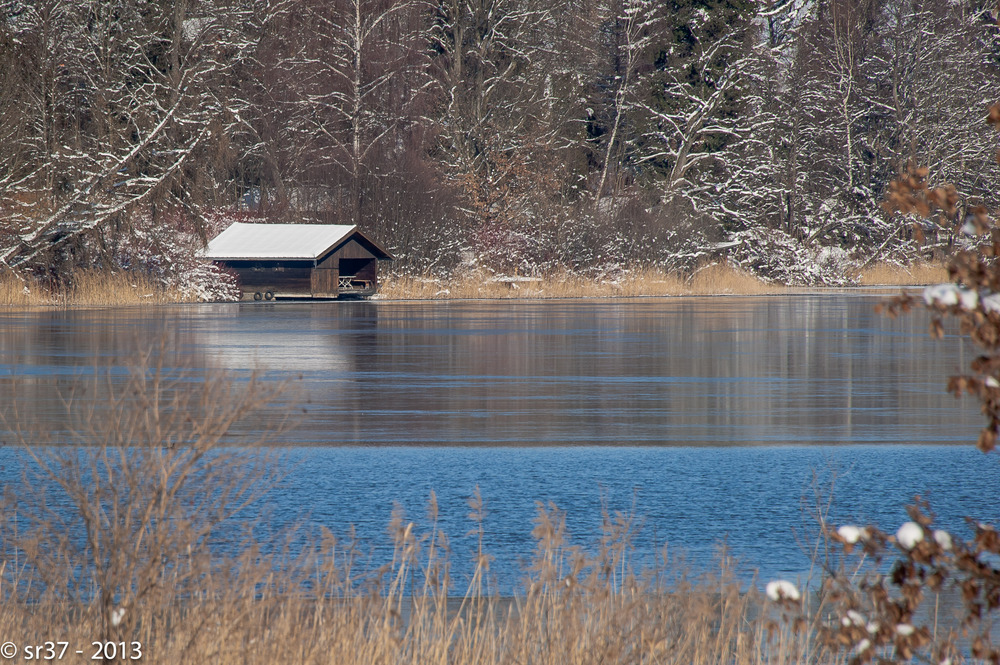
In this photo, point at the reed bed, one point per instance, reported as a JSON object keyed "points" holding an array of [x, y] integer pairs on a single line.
{"points": [[105, 288], [712, 279], [107, 541], [88, 288], [895, 274], [575, 611]]}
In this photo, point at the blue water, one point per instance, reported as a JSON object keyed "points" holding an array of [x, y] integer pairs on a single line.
{"points": [[716, 420], [760, 501]]}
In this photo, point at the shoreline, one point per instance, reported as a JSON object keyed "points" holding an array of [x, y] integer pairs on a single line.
{"points": [[710, 280], [795, 291], [100, 290], [863, 289]]}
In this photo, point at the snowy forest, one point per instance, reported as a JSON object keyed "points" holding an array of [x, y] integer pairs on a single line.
{"points": [[508, 135]]}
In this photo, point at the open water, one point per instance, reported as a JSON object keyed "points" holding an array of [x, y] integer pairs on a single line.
{"points": [[715, 419]]}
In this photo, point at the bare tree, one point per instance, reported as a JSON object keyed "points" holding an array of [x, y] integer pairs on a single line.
{"points": [[496, 75], [693, 111], [842, 100], [338, 91], [123, 98], [633, 25]]}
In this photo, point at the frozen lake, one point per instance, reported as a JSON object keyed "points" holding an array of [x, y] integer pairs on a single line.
{"points": [[822, 369]]}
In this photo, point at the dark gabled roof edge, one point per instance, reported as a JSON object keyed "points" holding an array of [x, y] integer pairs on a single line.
{"points": [[376, 249]]}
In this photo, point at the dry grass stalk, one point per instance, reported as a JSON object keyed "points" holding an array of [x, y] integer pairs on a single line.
{"points": [[710, 279], [720, 278], [110, 526], [90, 288], [577, 610]]}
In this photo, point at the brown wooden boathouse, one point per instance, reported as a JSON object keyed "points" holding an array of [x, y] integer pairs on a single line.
{"points": [[298, 260]]}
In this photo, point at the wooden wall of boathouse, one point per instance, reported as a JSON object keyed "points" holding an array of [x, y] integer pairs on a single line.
{"points": [[298, 278]]}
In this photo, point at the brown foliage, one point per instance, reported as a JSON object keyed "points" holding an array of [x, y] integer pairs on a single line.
{"points": [[881, 615], [976, 273], [877, 599]]}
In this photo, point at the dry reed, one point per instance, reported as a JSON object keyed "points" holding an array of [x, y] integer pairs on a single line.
{"points": [[894, 274], [711, 279], [107, 541], [89, 288], [102, 288], [576, 610]]}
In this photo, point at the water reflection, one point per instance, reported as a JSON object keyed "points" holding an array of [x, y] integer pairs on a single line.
{"points": [[815, 369], [677, 373], [312, 340]]}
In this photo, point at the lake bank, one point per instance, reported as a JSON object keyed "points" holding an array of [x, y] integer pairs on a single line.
{"points": [[123, 289], [715, 279]]}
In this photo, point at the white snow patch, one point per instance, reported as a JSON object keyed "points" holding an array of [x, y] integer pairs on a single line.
{"points": [[782, 590], [949, 295], [909, 535], [943, 538], [991, 302], [250, 241], [855, 617], [905, 629], [117, 615], [863, 645], [850, 533], [192, 28], [941, 294]]}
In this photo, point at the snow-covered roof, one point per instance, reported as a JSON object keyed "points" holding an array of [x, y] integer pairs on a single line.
{"points": [[276, 241]]}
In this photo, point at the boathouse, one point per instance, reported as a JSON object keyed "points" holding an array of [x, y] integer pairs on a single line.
{"points": [[298, 260]]}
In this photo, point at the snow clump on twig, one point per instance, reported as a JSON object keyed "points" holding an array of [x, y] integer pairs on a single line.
{"points": [[782, 590], [909, 535], [943, 539], [950, 295], [851, 534]]}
